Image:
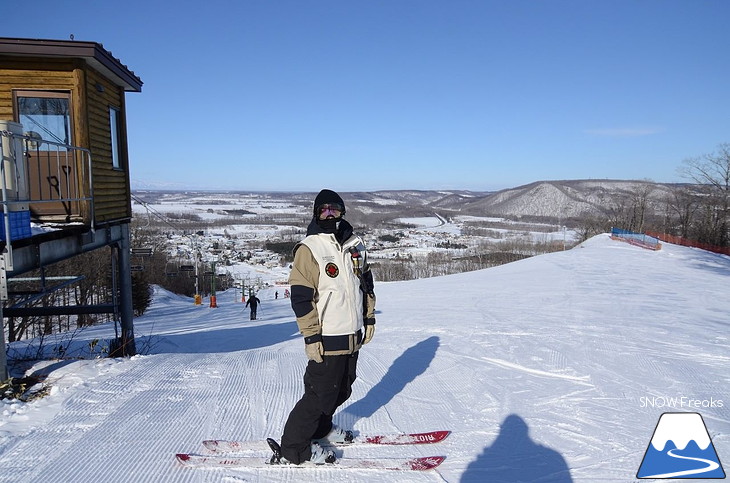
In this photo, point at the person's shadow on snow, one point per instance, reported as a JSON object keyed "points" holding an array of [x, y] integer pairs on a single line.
{"points": [[514, 457], [405, 369]]}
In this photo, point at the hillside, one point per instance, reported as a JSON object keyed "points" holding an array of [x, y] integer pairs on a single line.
{"points": [[554, 369], [544, 199], [562, 199]]}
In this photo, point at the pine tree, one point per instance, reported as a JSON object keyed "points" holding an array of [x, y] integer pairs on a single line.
{"points": [[141, 293]]}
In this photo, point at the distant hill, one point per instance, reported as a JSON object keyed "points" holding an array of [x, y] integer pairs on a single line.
{"points": [[566, 199], [541, 199]]}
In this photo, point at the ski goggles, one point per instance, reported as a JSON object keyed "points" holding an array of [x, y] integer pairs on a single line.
{"points": [[334, 209]]}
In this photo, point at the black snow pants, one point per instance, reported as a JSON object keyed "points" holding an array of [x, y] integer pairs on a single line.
{"points": [[327, 385]]}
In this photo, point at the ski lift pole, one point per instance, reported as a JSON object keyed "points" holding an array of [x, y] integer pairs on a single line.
{"points": [[213, 303], [196, 254], [198, 298]]}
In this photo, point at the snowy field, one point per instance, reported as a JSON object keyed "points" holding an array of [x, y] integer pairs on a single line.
{"points": [[289, 217], [552, 369]]}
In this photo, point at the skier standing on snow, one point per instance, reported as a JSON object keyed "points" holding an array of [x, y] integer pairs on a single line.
{"points": [[254, 301], [333, 300]]}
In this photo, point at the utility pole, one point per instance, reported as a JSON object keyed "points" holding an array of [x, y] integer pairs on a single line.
{"points": [[213, 303], [198, 298]]}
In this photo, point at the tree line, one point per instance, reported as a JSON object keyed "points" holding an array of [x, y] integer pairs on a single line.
{"points": [[698, 210]]}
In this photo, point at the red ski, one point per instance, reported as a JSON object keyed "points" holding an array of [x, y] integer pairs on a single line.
{"points": [[227, 446], [395, 464], [404, 438]]}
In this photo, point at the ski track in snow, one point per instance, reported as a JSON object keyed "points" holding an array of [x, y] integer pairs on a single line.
{"points": [[528, 364]]}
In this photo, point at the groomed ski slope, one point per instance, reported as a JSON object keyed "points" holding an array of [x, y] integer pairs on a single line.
{"points": [[541, 368]]}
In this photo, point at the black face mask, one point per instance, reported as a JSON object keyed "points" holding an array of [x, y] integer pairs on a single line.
{"points": [[329, 225]]}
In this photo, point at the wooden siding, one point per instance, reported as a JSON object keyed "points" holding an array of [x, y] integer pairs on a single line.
{"points": [[111, 185], [90, 113], [27, 74]]}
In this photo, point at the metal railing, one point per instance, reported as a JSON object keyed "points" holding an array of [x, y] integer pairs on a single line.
{"points": [[50, 179]]}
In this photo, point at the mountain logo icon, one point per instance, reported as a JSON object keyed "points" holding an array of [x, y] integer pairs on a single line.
{"points": [[681, 448]]}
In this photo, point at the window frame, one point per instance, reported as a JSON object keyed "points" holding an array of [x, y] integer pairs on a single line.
{"points": [[46, 94], [115, 116]]}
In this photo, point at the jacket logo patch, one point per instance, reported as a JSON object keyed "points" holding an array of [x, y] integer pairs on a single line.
{"points": [[331, 270]]}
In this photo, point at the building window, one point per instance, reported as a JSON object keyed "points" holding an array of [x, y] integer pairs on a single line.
{"points": [[47, 113], [114, 126]]}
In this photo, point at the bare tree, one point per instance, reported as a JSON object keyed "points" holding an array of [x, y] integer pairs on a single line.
{"points": [[629, 210], [681, 205], [712, 173], [640, 205]]}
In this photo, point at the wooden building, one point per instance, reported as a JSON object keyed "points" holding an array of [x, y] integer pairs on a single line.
{"points": [[65, 164]]}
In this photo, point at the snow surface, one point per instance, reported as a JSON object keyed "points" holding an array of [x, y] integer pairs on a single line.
{"points": [[553, 369]]}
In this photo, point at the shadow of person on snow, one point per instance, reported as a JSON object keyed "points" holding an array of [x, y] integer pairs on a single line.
{"points": [[405, 369], [514, 457]]}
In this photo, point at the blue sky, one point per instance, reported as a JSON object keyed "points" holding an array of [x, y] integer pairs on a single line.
{"points": [[409, 94]]}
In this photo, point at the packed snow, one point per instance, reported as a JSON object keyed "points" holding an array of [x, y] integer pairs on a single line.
{"points": [[553, 369]]}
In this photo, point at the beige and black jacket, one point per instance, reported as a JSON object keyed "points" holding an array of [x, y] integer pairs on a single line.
{"points": [[332, 289]]}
